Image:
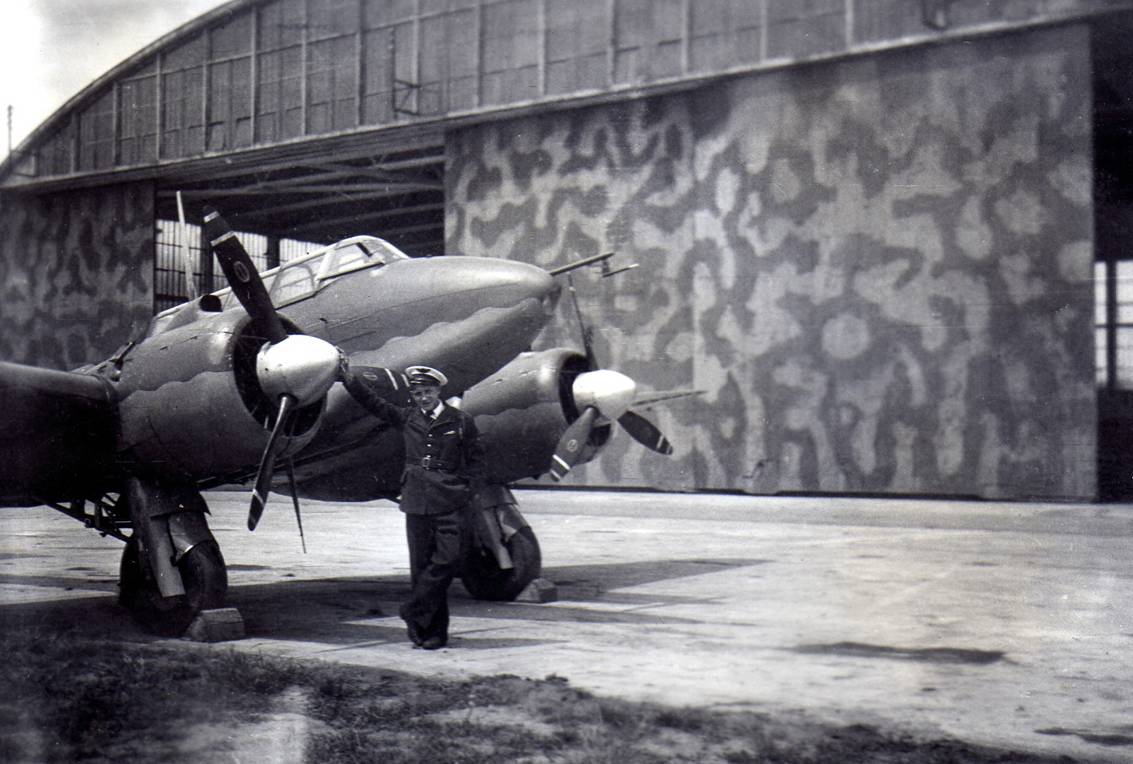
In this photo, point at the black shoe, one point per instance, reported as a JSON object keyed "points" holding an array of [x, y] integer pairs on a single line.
{"points": [[414, 634], [434, 643]]}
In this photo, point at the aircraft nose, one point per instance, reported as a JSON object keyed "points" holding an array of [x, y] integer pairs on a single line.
{"points": [[507, 282], [467, 315], [502, 282]]}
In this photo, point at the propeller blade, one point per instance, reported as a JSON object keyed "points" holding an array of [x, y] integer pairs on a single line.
{"points": [[584, 329], [295, 501], [186, 256], [645, 433], [242, 276], [572, 443], [287, 405]]}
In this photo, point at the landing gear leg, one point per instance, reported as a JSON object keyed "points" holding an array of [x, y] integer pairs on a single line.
{"points": [[503, 555], [172, 567]]}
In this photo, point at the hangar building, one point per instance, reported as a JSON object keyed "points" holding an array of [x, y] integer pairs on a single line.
{"points": [[885, 238]]}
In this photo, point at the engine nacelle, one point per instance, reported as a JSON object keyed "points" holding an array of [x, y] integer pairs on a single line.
{"points": [[190, 403], [523, 409]]}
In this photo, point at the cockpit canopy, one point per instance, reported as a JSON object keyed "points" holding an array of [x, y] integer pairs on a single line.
{"points": [[353, 254], [305, 275]]}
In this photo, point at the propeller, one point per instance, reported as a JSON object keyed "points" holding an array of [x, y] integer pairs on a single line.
{"points": [[242, 276], [293, 369], [571, 444], [645, 432], [586, 331], [267, 461], [605, 393]]}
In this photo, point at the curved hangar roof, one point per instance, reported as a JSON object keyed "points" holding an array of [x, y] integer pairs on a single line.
{"points": [[334, 110], [296, 105], [281, 74]]}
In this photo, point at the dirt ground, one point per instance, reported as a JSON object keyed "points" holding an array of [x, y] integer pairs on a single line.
{"points": [[72, 698]]}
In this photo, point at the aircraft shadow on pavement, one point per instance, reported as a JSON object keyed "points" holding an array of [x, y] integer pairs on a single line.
{"points": [[335, 610], [588, 582], [354, 611], [87, 579]]}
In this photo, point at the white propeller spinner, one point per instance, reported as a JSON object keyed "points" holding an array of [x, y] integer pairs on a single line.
{"points": [[301, 366], [610, 392]]}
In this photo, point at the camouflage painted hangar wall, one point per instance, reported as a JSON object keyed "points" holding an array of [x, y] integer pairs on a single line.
{"points": [[76, 273], [878, 269]]}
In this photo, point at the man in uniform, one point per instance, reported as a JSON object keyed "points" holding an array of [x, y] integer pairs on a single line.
{"points": [[443, 466]]}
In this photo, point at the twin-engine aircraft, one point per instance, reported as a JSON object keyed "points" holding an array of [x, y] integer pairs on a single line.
{"points": [[239, 386]]}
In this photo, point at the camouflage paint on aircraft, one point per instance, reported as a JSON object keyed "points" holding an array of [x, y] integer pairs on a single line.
{"points": [[879, 269], [76, 273]]}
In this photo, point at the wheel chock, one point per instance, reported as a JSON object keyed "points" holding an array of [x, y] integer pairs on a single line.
{"points": [[539, 590], [220, 625]]}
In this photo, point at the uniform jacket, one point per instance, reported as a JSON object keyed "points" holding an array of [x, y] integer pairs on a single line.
{"points": [[444, 460]]}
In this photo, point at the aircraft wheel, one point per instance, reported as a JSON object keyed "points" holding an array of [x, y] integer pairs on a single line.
{"points": [[485, 581], [206, 582]]}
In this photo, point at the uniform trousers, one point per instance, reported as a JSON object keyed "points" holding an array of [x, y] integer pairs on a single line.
{"points": [[434, 559]]}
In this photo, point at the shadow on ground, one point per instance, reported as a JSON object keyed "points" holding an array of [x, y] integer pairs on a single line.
{"points": [[355, 611]]}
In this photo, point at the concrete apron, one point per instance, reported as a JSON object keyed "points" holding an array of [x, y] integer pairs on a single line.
{"points": [[995, 623]]}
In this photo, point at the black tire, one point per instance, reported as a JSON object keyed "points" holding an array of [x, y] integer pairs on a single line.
{"points": [[483, 578], [131, 577], [206, 583]]}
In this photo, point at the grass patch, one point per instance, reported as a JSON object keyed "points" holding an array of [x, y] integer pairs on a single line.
{"points": [[70, 698]]}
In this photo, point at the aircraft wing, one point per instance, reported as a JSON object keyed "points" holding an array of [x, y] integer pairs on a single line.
{"points": [[56, 430]]}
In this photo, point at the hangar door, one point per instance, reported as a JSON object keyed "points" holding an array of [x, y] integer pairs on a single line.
{"points": [[1113, 230], [284, 208]]}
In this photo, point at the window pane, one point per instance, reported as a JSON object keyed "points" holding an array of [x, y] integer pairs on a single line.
{"points": [[1125, 292], [1099, 356], [1125, 357]]}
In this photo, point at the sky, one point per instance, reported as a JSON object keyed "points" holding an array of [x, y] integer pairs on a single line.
{"points": [[52, 49]]}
